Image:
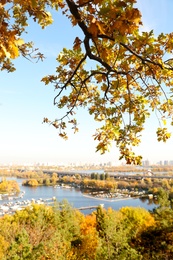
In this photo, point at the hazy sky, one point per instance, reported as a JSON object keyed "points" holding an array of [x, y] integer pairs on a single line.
{"points": [[25, 101]]}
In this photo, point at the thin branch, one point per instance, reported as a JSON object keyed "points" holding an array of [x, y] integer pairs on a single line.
{"points": [[108, 86], [73, 74], [140, 57], [71, 106], [94, 57]]}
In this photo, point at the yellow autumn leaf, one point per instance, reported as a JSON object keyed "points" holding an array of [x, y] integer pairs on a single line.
{"points": [[168, 135], [164, 121], [14, 52], [19, 42], [5, 52]]}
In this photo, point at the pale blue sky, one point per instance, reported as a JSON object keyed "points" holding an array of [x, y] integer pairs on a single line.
{"points": [[24, 101]]}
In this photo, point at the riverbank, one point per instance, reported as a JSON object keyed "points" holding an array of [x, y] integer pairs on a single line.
{"points": [[108, 199]]}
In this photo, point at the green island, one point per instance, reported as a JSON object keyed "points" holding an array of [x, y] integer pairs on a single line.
{"points": [[9, 187]]}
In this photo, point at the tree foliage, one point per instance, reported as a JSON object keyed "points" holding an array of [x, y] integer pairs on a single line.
{"points": [[131, 74], [61, 232], [9, 186]]}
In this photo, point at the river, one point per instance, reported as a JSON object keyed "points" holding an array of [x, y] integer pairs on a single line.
{"points": [[76, 198]]}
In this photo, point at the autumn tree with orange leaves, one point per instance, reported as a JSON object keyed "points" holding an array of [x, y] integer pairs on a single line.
{"points": [[131, 74]]}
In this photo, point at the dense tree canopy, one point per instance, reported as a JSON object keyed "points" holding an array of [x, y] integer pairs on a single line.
{"points": [[61, 232], [131, 74]]}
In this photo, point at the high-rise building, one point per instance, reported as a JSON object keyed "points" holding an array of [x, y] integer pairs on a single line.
{"points": [[166, 162], [146, 163]]}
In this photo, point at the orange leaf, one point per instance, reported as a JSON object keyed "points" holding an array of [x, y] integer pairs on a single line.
{"points": [[93, 29]]}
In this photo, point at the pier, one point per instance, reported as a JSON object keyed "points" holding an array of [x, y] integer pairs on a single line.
{"points": [[91, 207]]}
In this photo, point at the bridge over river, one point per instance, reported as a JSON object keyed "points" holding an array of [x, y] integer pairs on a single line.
{"points": [[127, 176]]}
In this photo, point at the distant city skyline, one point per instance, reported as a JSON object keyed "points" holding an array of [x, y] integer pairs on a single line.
{"points": [[145, 163]]}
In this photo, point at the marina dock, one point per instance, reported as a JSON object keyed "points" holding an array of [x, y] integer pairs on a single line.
{"points": [[11, 207]]}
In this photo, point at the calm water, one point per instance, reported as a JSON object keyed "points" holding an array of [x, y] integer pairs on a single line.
{"points": [[76, 198]]}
